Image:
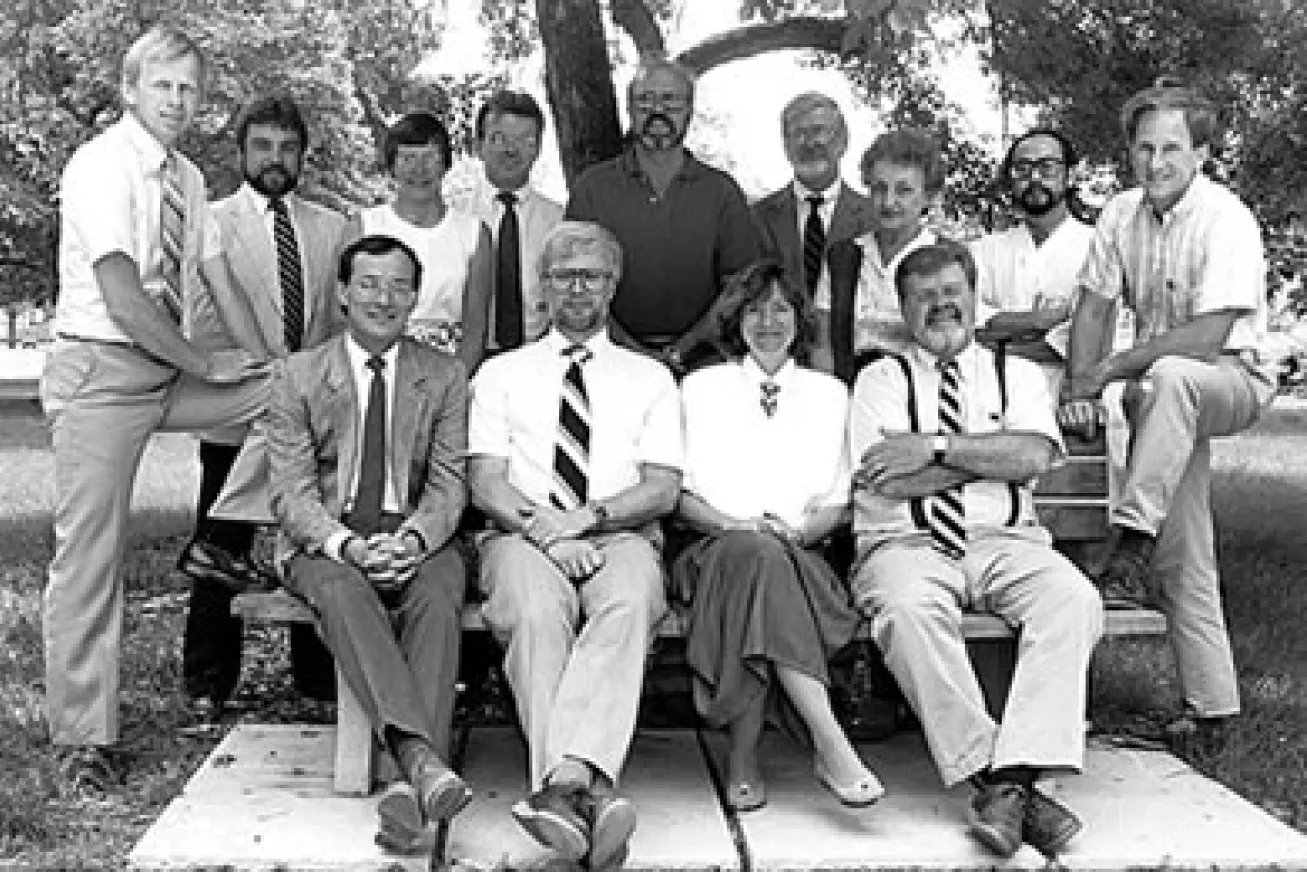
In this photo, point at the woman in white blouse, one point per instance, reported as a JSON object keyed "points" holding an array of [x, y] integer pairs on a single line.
{"points": [[766, 482], [453, 304]]}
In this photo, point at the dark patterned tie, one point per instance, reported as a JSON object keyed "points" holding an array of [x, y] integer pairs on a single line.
{"points": [[508, 277], [290, 274], [769, 391], [172, 232], [572, 449], [947, 517], [366, 515], [814, 243]]}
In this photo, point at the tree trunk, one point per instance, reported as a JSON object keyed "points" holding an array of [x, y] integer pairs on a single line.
{"points": [[579, 82]]}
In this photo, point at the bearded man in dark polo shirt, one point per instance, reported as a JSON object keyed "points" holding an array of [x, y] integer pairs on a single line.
{"points": [[683, 225]]}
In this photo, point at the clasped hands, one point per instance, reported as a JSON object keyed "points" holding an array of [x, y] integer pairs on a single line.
{"points": [[558, 534], [899, 453], [233, 366], [1081, 407], [387, 560]]}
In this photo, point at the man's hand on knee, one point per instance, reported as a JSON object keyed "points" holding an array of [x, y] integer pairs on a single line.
{"points": [[577, 559]]}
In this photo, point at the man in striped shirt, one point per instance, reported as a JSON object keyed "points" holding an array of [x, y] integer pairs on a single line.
{"points": [[1186, 256]]}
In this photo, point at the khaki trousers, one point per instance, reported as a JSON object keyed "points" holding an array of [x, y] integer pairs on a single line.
{"points": [[574, 655], [915, 597], [1175, 411], [103, 401]]}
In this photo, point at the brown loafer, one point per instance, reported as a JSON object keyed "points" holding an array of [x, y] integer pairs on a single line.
{"points": [[998, 812], [1049, 826]]}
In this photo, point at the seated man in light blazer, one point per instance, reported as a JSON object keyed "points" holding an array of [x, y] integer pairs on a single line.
{"points": [[282, 250], [817, 208], [366, 443]]}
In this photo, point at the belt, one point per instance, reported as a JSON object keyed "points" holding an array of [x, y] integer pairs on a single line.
{"points": [[73, 337]]}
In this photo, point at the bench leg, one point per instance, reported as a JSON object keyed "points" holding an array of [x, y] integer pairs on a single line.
{"points": [[353, 772]]}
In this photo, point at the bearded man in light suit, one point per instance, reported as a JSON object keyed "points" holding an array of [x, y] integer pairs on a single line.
{"points": [[285, 267], [816, 138], [366, 439]]}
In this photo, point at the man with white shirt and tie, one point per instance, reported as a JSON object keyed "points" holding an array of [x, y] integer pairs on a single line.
{"points": [[575, 446], [946, 437], [282, 250], [136, 238], [365, 442], [803, 219], [509, 129]]}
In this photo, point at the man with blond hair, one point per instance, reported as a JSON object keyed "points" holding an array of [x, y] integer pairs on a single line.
{"points": [[135, 240]]}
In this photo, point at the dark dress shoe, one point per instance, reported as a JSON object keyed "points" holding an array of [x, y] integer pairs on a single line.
{"points": [[998, 812], [555, 816], [1049, 826], [206, 562], [612, 821], [1125, 582]]}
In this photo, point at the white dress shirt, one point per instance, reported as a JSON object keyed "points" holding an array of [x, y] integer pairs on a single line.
{"points": [[746, 463], [878, 320], [635, 414]]}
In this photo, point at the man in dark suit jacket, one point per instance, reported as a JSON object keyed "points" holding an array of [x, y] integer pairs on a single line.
{"points": [[366, 439], [802, 219], [271, 139]]}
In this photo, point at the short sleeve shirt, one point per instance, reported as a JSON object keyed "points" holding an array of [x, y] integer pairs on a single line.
{"points": [[744, 462], [111, 195], [878, 320], [635, 414]]}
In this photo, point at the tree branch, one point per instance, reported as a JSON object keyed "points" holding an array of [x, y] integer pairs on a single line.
{"points": [[636, 19], [822, 34]]}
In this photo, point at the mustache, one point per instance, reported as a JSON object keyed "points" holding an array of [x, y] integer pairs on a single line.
{"points": [[935, 313], [659, 116]]}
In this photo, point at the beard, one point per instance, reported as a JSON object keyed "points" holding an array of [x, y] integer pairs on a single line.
{"points": [[659, 132], [273, 181], [1037, 199]]}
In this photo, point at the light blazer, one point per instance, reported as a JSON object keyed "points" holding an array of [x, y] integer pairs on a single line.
{"points": [[252, 256], [777, 215], [314, 443]]}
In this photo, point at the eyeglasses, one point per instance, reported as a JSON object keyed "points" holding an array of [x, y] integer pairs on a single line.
{"points": [[670, 100], [1044, 168], [375, 290], [592, 280], [425, 158], [525, 142], [819, 134]]}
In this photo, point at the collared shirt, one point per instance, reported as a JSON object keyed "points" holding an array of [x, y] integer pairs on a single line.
{"points": [[1203, 255], [536, 216], [1013, 272], [261, 205], [111, 193], [635, 414], [880, 405], [744, 462], [677, 248], [830, 196], [878, 320]]}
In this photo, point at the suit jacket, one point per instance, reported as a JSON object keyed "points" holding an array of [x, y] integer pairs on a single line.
{"points": [[314, 443], [252, 256], [777, 215]]}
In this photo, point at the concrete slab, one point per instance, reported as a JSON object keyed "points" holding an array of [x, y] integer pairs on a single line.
{"points": [[1140, 810], [681, 825]]}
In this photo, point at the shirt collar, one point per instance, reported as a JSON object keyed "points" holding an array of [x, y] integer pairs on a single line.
{"points": [[755, 374], [1188, 201], [557, 343], [150, 150], [928, 361], [358, 356], [630, 164], [802, 192], [261, 202]]}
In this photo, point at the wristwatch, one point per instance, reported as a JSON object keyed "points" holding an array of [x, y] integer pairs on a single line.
{"points": [[601, 514], [940, 445]]}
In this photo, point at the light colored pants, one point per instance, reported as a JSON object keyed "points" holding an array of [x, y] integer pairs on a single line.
{"points": [[103, 401], [574, 656], [915, 597], [1176, 410]]}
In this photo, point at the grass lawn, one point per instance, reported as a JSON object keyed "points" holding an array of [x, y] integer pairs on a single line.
{"points": [[1261, 502]]}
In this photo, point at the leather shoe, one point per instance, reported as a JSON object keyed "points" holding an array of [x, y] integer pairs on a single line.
{"points": [[1125, 580], [441, 794], [867, 790], [998, 813], [206, 562], [1048, 825], [400, 825], [612, 821], [555, 817]]}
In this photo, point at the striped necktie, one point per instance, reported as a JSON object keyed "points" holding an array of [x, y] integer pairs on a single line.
{"points": [[814, 243], [172, 232], [508, 277], [947, 518], [290, 275], [572, 449]]}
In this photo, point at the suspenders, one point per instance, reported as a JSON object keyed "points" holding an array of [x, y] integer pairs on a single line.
{"points": [[918, 504]]}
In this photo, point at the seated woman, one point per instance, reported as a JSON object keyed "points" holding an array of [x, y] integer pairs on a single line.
{"points": [[453, 305], [766, 481]]}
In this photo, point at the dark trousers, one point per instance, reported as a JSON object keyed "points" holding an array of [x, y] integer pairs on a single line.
{"points": [[400, 661], [211, 643]]}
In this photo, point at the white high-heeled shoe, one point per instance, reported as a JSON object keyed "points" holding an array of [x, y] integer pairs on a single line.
{"points": [[865, 791]]}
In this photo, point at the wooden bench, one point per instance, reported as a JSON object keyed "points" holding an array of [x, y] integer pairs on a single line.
{"points": [[992, 640]]}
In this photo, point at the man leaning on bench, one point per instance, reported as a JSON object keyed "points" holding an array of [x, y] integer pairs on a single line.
{"points": [[570, 445]]}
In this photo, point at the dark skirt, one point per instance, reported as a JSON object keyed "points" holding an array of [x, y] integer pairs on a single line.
{"points": [[755, 602]]}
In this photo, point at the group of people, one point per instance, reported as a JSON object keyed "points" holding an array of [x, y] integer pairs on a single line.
{"points": [[657, 355]]}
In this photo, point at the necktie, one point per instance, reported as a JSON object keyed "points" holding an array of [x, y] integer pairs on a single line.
{"points": [[769, 391], [366, 515], [814, 243], [572, 449], [289, 273], [946, 520], [508, 277], [172, 230]]}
